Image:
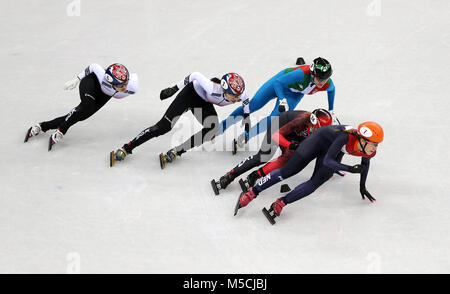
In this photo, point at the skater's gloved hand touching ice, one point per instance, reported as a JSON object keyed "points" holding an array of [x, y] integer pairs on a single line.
{"points": [[365, 193], [70, 85]]}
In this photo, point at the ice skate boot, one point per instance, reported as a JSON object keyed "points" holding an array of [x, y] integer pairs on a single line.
{"points": [[55, 138], [33, 131], [250, 181], [274, 210], [244, 199], [170, 156], [223, 182], [118, 155]]}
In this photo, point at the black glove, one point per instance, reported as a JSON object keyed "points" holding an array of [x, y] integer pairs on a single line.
{"points": [[356, 169], [247, 125], [168, 92], [293, 145], [364, 192], [283, 106]]}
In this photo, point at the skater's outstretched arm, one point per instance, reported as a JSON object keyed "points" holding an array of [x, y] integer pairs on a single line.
{"points": [[331, 92], [333, 151], [298, 123], [365, 163]]}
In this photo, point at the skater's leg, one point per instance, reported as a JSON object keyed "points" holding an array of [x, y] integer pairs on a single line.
{"points": [[294, 166], [265, 123], [207, 116], [293, 99], [92, 99], [181, 103], [276, 163], [261, 98], [83, 111], [52, 124], [321, 174], [297, 162], [266, 152]]}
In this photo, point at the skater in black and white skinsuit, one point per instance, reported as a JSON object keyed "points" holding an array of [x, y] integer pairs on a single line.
{"points": [[198, 94], [97, 86]]}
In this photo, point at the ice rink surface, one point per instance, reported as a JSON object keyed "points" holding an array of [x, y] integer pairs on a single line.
{"points": [[67, 211]]}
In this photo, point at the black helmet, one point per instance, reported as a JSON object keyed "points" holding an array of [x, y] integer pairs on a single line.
{"points": [[321, 68]]}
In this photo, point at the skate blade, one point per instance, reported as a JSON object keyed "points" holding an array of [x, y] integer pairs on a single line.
{"points": [[342, 174], [112, 158], [214, 187], [27, 136], [243, 185], [238, 204], [162, 161], [268, 216], [50, 144]]}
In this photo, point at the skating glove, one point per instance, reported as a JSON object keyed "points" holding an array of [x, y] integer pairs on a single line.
{"points": [[168, 92], [70, 85], [356, 169], [246, 122], [364, 193], [293, 145], [283, 106]]}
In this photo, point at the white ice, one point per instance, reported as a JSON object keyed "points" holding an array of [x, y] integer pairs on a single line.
{"points": [[67, 211]]}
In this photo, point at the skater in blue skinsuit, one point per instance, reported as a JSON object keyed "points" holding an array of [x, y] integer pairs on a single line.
{"points": [[288, 86]]}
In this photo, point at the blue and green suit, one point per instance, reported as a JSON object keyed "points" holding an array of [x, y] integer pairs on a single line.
{"points": [[290, 83]]}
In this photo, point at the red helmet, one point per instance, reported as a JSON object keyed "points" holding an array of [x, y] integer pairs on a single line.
{"points": [[320, 118]]}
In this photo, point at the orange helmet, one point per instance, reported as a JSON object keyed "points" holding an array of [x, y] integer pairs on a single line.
{"points": [[371, 131]]}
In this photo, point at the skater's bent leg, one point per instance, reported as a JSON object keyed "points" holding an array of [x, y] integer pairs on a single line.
{"points": [[293, 100], [246, 165], [52, 124], [267, 181], [182, 102], [294, 165], [160, 128], [204, 135], [321, 175], [207, 116], [84, 110], [265, 123], [261, 98], [277, 163]]}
